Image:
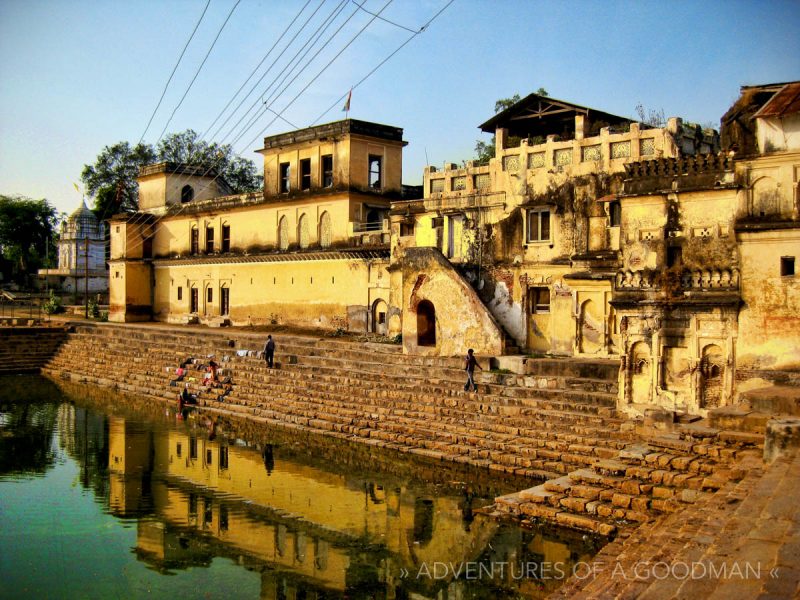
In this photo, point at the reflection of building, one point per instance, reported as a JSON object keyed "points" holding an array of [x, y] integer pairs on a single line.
{"points": [[305, 528], [81, 253]]}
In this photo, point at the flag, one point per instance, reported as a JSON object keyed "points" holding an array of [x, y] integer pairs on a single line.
{"points": [[346, 107]]}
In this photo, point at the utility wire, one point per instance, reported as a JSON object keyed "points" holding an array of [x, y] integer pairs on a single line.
{"points": [[258, 66], [384, 61], [313, 79], [142, 216], [258, 100], [279, 113], [320, 28], [295, 69], [383, 19], [200, 68], [175, 68]]}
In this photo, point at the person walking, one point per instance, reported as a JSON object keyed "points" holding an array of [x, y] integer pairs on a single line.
{"points": [[269, 351], [470, 362]]}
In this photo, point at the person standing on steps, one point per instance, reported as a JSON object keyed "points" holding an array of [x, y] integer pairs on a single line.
{"points": [[470, 362], [269, 351]]}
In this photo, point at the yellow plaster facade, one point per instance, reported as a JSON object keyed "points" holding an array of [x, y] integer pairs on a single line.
{"points": [[311, 250]]}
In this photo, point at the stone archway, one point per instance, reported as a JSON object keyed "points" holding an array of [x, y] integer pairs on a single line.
{"points": [[712, 375], [640, 373], [590, 329], [379, 316], [426, 323]]}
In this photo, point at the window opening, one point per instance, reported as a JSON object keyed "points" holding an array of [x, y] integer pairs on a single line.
{"points": [[538, 225], [327, 170], [195, 241], [285, 174], [226, 238], [540, 300], [209, 240], [187, 193], [787, 266], [375, 172], [305, 174], [614, 214]]}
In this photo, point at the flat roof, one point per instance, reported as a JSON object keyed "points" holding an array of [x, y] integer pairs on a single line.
{"points": [[337, 128]]}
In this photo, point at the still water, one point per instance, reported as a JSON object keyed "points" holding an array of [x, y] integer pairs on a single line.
{"points": [[110, 496]]}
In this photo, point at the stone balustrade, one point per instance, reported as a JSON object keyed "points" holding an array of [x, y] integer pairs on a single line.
{"points": [[682, 165], [690, 280]]}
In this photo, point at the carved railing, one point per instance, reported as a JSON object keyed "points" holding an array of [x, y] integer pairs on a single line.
{"points": [[462, 202], [689, 280], [684, 165]]}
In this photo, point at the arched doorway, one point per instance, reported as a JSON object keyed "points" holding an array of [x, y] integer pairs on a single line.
{"points": [[379, 310], [590, 329], [640, 373], [712, 371], [426, 324]]}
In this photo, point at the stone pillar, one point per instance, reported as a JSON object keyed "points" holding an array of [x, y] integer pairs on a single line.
{"points": [[501, 135], [581, 126]]}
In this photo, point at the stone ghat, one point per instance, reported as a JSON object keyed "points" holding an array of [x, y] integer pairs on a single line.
{"points": [[596, 472], [27, 349], [741, 542]]}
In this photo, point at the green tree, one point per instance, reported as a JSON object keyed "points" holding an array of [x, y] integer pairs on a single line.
{"points": [[27, 228], [185, 147], [486, 150], [111, 180]]}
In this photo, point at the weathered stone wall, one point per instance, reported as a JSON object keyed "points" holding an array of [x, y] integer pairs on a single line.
{"points": [[460, 319]]}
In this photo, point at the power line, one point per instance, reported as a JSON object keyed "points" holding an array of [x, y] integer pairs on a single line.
{"points": [[200, 68], [142, 216], [329, 63], [280, 113], [325, 24], [319, 29], [385, 60], [382, 18], [258, 66], [175, 68]]}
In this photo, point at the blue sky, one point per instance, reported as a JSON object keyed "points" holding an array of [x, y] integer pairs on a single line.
{"points": [[78, 75]]}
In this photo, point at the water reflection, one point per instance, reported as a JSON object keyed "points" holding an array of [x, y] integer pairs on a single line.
{"points": [[315, 517]]}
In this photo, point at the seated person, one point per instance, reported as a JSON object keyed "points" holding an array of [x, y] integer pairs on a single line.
{"points": [[186, 397]]}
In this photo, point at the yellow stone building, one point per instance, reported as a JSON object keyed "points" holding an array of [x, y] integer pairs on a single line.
{"points": [[312, 250], [535, 233]]}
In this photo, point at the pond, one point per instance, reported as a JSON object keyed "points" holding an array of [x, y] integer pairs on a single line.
{"points": [[104, 495]]}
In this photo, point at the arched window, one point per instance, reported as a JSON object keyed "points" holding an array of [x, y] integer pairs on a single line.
{"points": [[187, 193], [302, 232], [379, 311], [325, 230], [426, 324], [283, 234]]}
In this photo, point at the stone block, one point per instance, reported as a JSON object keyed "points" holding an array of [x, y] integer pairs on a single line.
{"points": [[782, 438], [573, 504], [531, 509], [610, 467], [663, 492], [621, 500], [631, 487], [586, 491]]}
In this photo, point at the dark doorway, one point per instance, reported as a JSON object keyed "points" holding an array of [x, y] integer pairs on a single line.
{"points": [[194, 300], [225, 301], [426, 324]]}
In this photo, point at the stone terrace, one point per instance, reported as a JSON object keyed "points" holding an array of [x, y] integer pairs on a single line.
{"points": [[594, 471]]}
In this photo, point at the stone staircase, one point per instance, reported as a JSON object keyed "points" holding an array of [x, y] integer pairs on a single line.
{"points": [[743, 541], [26, 349], [555, 424]]}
